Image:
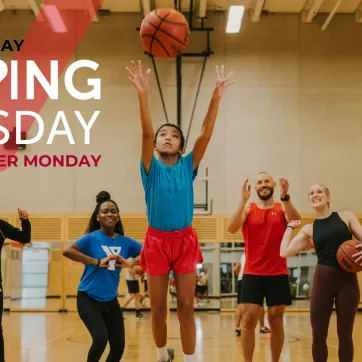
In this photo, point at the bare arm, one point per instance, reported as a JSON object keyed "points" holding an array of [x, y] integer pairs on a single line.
{"points": [[207, 128], [356, 229], [237, 219], [289, 210], [300, 242], [237, 268], [147, 132], [209, 121], [141, 81], [354, 225], [73, 253]]}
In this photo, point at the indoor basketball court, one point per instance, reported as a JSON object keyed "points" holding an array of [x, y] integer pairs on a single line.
{"points": [[293, 112]]}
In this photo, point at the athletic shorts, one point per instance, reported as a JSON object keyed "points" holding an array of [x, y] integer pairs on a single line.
{"points": [[239, 286], [133, 286], [275, 289], [164, 251], [201, 289]]}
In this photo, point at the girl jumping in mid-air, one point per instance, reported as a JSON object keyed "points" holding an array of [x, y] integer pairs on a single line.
{"points": [[171, 243]]}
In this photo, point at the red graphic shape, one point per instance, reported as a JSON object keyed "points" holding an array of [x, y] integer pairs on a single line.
{"points": [[44, 42]]}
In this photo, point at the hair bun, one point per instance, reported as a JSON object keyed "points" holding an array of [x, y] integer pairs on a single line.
{"points": [[103, 196]]}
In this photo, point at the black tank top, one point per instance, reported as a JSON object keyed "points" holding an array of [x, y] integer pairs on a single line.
{"points": [[328, 235]]}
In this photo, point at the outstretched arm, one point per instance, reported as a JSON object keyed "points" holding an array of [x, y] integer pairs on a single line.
{"points": [[293, 247], [141, 80], [10, 232], [209, 121]]}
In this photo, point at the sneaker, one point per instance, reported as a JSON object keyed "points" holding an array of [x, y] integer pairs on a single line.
{"points": [[238, 332], [265, 330], [140, 316], [171, 355]]}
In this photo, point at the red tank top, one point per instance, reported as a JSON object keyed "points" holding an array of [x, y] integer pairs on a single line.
{"points": [[263, 232]]}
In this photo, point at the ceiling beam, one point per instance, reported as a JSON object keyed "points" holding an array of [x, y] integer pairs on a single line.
{"points": [[202, 9], [34, 7], [331, 14], [311, 10], [92, 11], [145, 6], [358, 13], [256, 10], [36, 10]]}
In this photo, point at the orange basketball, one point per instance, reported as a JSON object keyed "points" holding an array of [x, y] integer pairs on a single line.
{"points": [[164, 33], [344, 256]]}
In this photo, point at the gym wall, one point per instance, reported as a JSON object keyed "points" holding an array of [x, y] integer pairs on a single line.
{"points": [[294, 111]]}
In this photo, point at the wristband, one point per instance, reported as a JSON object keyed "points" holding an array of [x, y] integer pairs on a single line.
{"points": [[98, 262], [290, 227]]}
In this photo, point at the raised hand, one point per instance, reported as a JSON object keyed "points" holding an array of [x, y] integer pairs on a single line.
{"points": [[122, 262], [23, 214], [137, 76], [245, 191], [104, 262], [284, 187], [221, 82]]}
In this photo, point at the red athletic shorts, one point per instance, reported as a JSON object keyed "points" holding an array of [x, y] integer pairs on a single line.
{"points": [[164, 251]]}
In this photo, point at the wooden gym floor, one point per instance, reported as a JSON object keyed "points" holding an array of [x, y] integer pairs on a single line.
{"points": [[53, 337]]}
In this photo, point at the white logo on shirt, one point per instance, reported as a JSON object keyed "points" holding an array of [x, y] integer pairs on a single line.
{"points": [[111, 250]]}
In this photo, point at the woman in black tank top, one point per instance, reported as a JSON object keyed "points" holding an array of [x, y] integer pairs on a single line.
{"points": [[331, 284]]}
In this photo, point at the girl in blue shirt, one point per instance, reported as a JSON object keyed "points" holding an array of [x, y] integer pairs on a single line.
{"points": [[171, 243], [103, 250]]}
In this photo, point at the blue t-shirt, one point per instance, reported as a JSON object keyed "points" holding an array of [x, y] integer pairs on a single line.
{"points": [[100, 283], [169, 193]]}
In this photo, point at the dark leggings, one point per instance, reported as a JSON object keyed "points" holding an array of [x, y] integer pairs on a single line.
{"points": [[2, 353], [104, 322], [333, 285]]}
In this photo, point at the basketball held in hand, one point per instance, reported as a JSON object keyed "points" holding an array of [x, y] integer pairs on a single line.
{"points": [[345, 259], [164, 33]]}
